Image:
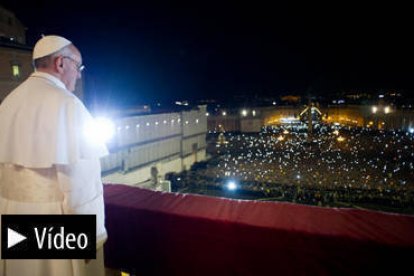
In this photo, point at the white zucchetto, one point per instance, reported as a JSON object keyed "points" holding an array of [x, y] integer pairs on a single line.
{"points": [[48, 45]]}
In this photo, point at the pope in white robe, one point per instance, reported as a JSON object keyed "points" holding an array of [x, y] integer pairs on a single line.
{"points": [[47, 163]]}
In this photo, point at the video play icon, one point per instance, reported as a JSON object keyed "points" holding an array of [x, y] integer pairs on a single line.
{"points": [[48, 236], [14, 238]]}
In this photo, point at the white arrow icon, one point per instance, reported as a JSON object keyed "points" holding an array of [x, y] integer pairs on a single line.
{"points": [[13, 238]]}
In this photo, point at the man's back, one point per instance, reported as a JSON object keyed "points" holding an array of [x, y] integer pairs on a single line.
{"points": [[47, 166], [45, 125]]}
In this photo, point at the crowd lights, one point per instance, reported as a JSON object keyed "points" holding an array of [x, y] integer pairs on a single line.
{"points": [[340, 139]]}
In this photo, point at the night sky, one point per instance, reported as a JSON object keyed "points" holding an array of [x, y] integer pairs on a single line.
{"points": [[158, 51]]}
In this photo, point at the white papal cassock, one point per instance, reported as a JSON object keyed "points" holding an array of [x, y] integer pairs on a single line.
{"points": [[49, 166]]}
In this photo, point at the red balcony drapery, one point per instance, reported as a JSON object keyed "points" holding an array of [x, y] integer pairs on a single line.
{"points": [[182, 234]]}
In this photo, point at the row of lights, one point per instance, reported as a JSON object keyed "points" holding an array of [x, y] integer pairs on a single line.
{"points": [[157, 123], [387, 109], [244, 113]]}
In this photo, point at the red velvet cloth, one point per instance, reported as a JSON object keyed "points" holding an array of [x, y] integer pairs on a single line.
{"points": [[154, 233]]}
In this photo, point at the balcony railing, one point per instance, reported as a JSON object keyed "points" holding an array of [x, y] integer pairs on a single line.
{"points": [[156, 233]]}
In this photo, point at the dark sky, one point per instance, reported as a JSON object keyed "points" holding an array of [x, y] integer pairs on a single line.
{"points": [[158, 51]]}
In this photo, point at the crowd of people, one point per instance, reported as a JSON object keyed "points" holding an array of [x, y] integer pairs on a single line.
{"points": [[332, 167]]}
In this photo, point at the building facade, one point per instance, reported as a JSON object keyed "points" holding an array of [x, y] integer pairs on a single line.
{"points": [[146, 147], [16, 56], [11, 27], [380, 117]]}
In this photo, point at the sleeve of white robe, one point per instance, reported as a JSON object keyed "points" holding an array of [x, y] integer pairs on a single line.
{"points": [[83, 192], [80, 180]]}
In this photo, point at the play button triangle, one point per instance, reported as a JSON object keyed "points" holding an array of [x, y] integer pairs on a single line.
{"points": [[13, 238]]}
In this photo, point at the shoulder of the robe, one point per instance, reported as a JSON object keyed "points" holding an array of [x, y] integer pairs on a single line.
{"points": [[37, 90], [63, 98], [75, 103]]}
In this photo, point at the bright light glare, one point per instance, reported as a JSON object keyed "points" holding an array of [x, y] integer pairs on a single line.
{"points": [[374, 109], [231, 185], [387, 110], [100, 130], [411, 130], [244, 112]]}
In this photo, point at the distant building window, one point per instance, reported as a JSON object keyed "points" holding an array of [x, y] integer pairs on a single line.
{"points": [[16, 71]]}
